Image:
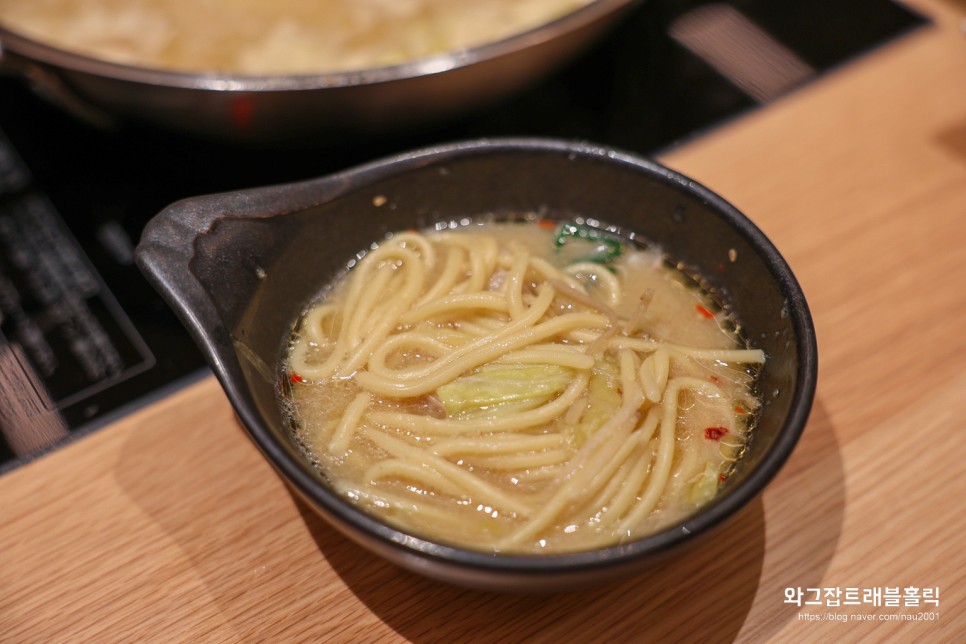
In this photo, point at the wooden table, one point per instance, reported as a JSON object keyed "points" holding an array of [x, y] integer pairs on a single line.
{"points": [[168, 526]]}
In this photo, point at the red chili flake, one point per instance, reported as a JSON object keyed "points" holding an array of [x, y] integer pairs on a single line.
{"points": [[296, 378], [722, 477], [715, 433], [715, 379], [703, 311], [546, 224], [740, 410]]}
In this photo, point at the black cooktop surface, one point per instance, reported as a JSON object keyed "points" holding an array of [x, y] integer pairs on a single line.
{"points": [[83, 338]]}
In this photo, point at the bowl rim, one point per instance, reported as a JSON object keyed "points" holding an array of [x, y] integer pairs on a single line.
{"points": [[37, 50], [297, 472]]}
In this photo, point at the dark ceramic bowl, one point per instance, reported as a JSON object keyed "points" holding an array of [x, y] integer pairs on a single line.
{"points": [[240, 267]]}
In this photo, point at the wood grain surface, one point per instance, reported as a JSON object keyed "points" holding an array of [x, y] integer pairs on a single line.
{"points": [[168, 525]]}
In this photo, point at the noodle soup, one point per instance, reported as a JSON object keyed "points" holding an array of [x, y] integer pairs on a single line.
{"points": [[537, 387]]}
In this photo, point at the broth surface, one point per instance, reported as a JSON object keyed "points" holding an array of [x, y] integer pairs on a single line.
{"points": [[477, 418]]}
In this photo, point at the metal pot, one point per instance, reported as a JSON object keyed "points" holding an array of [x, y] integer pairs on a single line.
{"points": [[292, 109]]}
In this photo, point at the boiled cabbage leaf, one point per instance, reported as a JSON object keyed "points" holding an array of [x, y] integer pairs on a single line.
{"points": [[497, 389]]}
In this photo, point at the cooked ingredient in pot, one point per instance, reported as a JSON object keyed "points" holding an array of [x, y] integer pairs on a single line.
{"points": [[521, 387], [253, 37]]}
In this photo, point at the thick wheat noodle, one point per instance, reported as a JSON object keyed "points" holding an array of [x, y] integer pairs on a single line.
{"points": [[309, 335], [548, 272], [588, 460], [344, 431], [538, 474], [415, 472], [477, 274], [623, 417], [609, 462], [366, 291], [306, 369], [314, 320], [412, 383], [299, 358], [515, 282], [665, 452], [479, 326], [521, 461], [471, 485], [414, 274], [446, 335], [537, 310], [654, 373], [592, 457], [483, 252], [631, 393], [323, 432], [452, 270], [358, 303], [629, 374], [370, 306], [596, 506], [377, 261], [425, 344], [633, 398], [421, 243], [454, 277], [381, 498], [494, 345], [639, 471], [739, 356], [497, 444], [450, 303], [576, 410], [562, 356], [517, 422], [639, 467], [616, 473]]}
